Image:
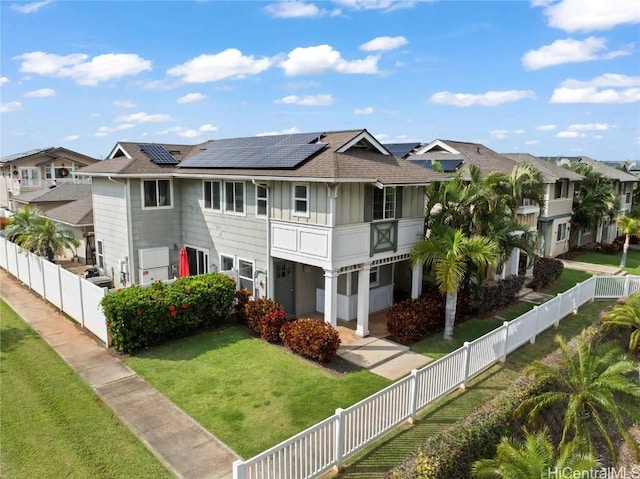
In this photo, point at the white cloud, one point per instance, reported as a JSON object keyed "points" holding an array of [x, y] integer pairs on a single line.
{"points": [[589, 127], [308, 100], [519, 132], [294, 9], [532, 142], [569, 51], [41, 93], [208, 127], [29, 7], [570, 134], [383, 44], [10, 106], [230, 63], [107, 130], [386, 5], [124, 104], [83, 71], [590, 15], [490, 98], [72, 138], [191, 98], [363, 111], [4, 80], [189, 133], [598, 137], [323, 58], [499, 134], [289, 131], [142, 117], [546, 127], [607, 88]]}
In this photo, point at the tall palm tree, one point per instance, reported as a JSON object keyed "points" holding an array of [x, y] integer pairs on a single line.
{"points": [[44, 238], [629, 227], [626, 315], [20, 221], [597, 386], [450, 252], [534, 457]]}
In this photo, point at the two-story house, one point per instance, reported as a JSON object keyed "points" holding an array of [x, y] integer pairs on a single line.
{"points": [[38, 170], [319, 222]]}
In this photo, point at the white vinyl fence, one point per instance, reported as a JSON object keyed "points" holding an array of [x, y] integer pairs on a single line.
{"points": [[327, 444], [69, 292]]}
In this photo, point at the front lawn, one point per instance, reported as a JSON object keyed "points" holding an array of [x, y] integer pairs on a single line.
{"points": [[53, 424], [595, 257], [250, 394]]}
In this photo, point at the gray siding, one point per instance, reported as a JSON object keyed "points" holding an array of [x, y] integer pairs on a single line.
{"points": [[281, 198], [350, 207], [110, 222]]}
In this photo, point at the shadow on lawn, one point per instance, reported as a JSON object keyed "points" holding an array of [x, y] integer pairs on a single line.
{"points": [[12, 338]]}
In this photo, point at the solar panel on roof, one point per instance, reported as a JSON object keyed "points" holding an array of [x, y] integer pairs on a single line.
{"points": [[400, 149], [158, 154], [447, 165]]}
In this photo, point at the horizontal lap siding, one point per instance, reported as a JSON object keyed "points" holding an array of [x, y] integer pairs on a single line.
{"points": [[110, 220]]}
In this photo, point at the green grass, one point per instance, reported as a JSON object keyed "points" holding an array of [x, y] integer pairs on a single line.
{"points": [[567, 280], [53, 424], [388, 452], [250, 394], [595, 257]]}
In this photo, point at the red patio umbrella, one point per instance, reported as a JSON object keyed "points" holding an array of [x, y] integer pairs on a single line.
{"points": [[183, 263]]}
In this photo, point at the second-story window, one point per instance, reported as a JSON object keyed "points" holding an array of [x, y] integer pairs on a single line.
{"points": [[30, 177], [301, 200], [234, 197], [627, 197], [384, 203], [212, 195], [156, 193], [261, 200], [562, 189]]}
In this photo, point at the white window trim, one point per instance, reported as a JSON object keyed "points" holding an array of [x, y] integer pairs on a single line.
{"points": [[265, 199], [100, 255], [207, 266], [168, 207], [32, 183], [253, 272], [233, 263], [374, 271], [566, 232], [244, 199], [385, 190], [302, 214], [204, 186]]}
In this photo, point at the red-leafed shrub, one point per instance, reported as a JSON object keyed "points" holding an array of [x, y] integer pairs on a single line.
{"points": [[545, 272], [271, 324], [255, 310], [494, 295], [311, 338], [242, 298]]}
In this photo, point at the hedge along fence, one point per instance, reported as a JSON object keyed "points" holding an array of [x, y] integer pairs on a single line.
{"points": [[139, 316]]}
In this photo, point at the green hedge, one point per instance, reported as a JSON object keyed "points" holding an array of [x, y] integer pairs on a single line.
{"points": [[545, 272], [139, 316], [494, 295]]}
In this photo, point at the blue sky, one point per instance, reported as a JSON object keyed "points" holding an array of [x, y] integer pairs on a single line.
{"points": [[547, 77]]}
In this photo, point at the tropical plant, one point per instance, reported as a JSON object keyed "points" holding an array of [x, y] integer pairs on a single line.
{"points": [[534, 457], [450, 252], [626, 315], [20, 221], [629, 227], [597, 386]]}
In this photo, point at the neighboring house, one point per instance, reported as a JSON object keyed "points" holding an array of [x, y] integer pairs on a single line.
{"points": [[319, 222], [623, 184], [37, 170], [554, 221]]}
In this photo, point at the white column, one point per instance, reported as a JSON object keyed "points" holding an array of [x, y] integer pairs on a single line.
{"points": [[515, 261], [416, 281], [331, 296], [362, 328]]}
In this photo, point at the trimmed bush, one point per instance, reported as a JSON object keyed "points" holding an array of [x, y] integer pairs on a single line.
{"points": [[242, 298], [545, 272], [311, 338], [255, 310], [139, 316], [271, 324], [498, 294]]}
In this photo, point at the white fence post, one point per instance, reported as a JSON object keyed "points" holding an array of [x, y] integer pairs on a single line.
{"points": [[466, 362], [532, 339], [44, 283], [414, 396], [339, 439], [503, 357], [625, 291], [81, 301], [60, 288], [239, 470]]}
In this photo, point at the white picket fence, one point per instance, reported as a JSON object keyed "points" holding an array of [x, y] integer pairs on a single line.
{"points": [[69, 292], [327, 444]]}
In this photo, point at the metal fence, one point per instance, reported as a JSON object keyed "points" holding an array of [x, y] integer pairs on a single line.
{"points": [[327, 444]]}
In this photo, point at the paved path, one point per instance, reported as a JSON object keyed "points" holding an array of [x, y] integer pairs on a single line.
{"points": [[593, 268], [183, 446]]}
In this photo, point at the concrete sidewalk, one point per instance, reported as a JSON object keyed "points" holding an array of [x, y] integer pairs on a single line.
{"points": [[593, 268], [179, 442]]}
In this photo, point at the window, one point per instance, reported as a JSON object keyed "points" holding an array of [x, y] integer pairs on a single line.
{"points": [[627, 198], [245, 275], [374, 276], [226, 263], [156, 193], [212, 195], [301, 200], [58, 172], [525, 202], [234, 197], [562, 189], [384, 203], [100, 254], [261, 200], [198, 260], [562, 232], [30, 177]]}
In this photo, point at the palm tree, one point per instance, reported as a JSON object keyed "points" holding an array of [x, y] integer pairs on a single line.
{"points": [[44, 238], [629, 227], [450, 252], [596, 386], [626, 315], [534, 457], [20, 221]]}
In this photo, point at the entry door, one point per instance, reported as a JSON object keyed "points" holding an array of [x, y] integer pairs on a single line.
{"points": [[284, 291], [198, 261]]}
